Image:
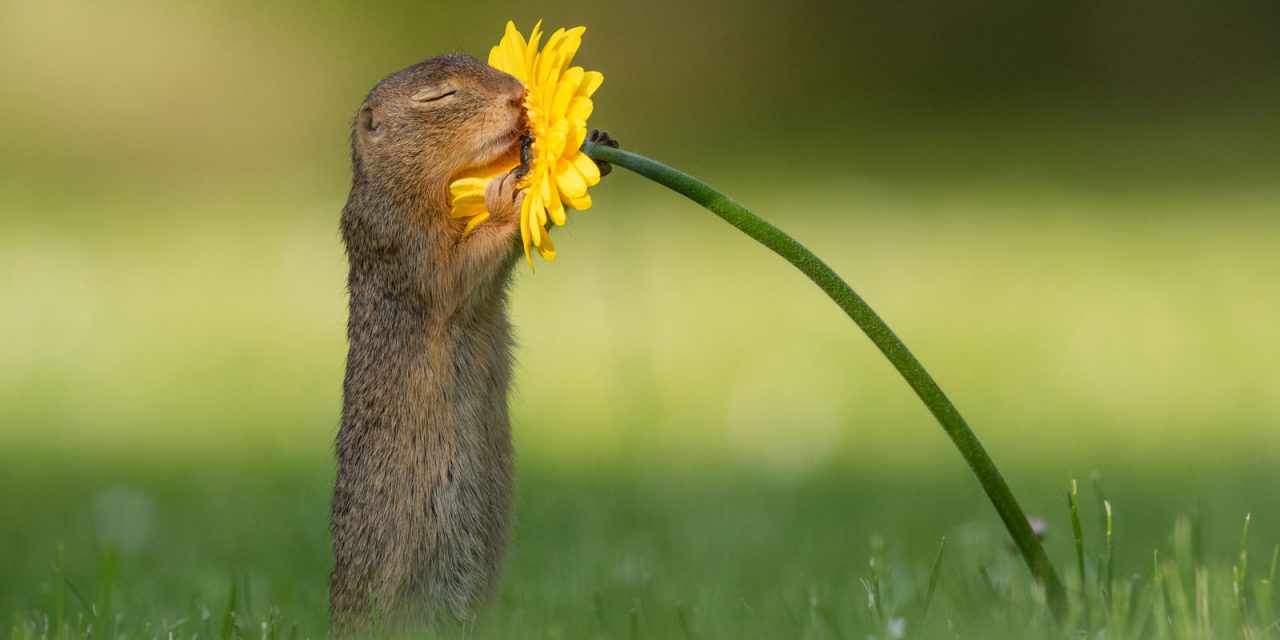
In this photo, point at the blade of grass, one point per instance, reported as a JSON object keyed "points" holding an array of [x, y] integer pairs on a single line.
{"points": [[824, 614], [1108, 582], [1181, 605], [109, 565], [1095, 479], [1077, 532], [934, 572], [1182, 548], [1203, 624], [1275, 558], [60, 611], [991, 584], [1238, 571], [1130, 609], [229, 616], [246, 597], [874, 589], [1160, 598], [682, 618], [601, 615], [1263, 591]]}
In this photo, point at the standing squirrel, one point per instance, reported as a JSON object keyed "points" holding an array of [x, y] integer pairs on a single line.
{"points": [[422, 505]]}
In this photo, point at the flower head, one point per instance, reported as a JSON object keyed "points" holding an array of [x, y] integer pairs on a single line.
{"points": [[557, 104]]}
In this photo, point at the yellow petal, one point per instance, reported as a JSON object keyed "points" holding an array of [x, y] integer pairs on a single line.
{"points": [[556, 139], [571, 183], [586, 166], [580, 204], [525, 238], [568, 47], [512, 32], [532, 52], [537, 220], [541, 220], [565, 89], [544, 63], [467, 211], [545, 76], [513, 61], [464, 186], [513, 51], [544, 191], [476, 197], [474, 222], [579, 110], [578, 136], [547, 250], [590, 82], [557, 211]]}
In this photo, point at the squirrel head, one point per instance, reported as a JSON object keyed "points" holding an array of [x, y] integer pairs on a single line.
{"points": [[417, 131], [424, 126]]}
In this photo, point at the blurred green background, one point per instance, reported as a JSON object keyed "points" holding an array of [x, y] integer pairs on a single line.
{"points": [[1070, 213]]}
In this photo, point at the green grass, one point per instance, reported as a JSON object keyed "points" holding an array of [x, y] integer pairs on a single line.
{"points": [[115, 550]]}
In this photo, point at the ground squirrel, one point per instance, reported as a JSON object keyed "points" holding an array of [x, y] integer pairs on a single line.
{"points": [[422, 503]]}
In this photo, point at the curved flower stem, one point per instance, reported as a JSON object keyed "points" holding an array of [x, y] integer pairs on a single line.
{"points": [[889, 344]]}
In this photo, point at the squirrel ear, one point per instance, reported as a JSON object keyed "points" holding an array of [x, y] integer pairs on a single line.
{"points": [[367, 120]]}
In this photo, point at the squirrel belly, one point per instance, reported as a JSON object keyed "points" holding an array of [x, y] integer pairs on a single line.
{"points": [[422, 502]]}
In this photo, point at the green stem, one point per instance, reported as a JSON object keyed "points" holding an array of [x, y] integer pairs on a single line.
{"points": [[880, 334]]}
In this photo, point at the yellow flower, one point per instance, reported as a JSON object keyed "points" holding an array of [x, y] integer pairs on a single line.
{"points": [[557, 104]]}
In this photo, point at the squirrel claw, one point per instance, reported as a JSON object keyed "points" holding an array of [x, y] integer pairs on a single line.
{"points": [[602, 137]]}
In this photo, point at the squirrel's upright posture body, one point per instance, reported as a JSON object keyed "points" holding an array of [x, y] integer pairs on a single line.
{"points": [[421, 508]]}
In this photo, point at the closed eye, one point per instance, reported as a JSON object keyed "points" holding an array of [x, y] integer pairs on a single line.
{"points": [[433, 94]]}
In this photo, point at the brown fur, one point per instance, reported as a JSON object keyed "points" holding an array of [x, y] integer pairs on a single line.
{"points": [[421, 507]]}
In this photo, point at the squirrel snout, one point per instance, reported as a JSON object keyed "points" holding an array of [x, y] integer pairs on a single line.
{"points": [[514, 88]]}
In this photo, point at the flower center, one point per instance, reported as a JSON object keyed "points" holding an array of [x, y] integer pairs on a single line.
{"points": [[537, 130]]}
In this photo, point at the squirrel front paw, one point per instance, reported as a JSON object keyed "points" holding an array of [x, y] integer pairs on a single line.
{"points": [[502, 198], [602, 137], [494, 242]]}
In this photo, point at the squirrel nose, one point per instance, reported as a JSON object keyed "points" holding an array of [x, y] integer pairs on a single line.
{"points": [[516, 88]]}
